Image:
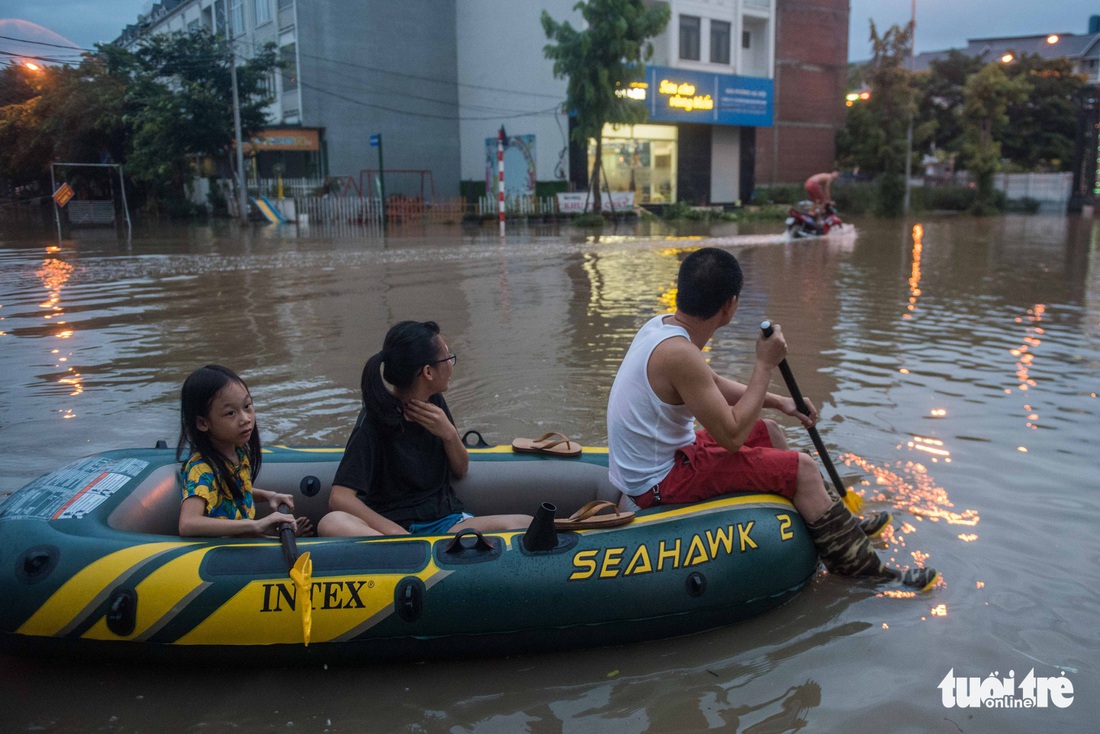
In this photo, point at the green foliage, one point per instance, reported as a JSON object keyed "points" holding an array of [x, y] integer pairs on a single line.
{"points": [[590, 219], [179, 99], [940, 92], [874, 136], [156, 108], [855, 197], [944, 198], [778, 194], [605, 56], [1026, 205], [1043, 124], [74, 115], [986, 97], [890, 199]]}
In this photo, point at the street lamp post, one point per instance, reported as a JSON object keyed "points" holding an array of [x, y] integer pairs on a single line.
{"points": [[909, 132]]}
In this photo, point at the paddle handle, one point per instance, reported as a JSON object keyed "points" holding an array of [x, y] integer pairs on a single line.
{"points": [[286, 538], [801, 407]]}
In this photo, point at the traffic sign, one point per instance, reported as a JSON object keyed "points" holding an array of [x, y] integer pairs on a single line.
{"points": [[375, 140], [63, 194]]}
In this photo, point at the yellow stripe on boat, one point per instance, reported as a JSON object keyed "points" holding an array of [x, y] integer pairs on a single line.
{"points": [[85, 591], [163, 594]]}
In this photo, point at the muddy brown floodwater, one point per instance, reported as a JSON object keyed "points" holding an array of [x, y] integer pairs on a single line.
{"points": [[957, 373]]}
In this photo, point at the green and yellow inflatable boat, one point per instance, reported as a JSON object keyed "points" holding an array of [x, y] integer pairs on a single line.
{"points": [[91, 566]]}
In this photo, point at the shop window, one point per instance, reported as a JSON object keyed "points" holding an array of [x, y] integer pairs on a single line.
{"points": [[690, 37], [639, 158], [719, 42]]}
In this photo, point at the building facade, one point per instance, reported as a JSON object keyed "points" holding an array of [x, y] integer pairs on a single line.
{"points": [[810, 76], [438, 79]]}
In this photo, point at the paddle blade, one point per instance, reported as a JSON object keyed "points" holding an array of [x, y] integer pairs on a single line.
{"points": [[302, 575], [853, 502]]}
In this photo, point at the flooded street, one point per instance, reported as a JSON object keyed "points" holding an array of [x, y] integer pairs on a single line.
{"points": [[957, 374]]}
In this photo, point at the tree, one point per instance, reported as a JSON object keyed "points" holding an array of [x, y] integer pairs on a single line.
{"points": [[940, 95], [986, 97], [179, 103], [599, 60], [1043, 124], [66, 114], [875, 132]]}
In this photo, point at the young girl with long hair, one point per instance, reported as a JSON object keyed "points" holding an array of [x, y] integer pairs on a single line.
{"points": [[395, 477], [218, 428]]}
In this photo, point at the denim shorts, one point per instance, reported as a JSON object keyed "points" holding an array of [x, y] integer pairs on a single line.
{"points": [[440, 526]]}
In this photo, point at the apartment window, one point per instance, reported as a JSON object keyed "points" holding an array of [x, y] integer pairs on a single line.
{"points": [[236, 17], [263, 11], [288, 55], [719, 42], [285, 4], [746, 39], [689, 37]]}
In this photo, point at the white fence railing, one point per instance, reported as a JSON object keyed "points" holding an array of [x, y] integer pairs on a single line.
{"points": [[329, 208], [1048, 188], [519, 205], [292, 187]]}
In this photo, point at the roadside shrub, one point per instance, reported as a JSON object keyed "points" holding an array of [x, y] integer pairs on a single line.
{"points": [[778, 194], [854, 198], [1026, 205], [588, 220], [890, 201]]}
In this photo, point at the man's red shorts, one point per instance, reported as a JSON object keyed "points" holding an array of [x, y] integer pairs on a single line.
{"points": [[815, 192], [705, 470]]}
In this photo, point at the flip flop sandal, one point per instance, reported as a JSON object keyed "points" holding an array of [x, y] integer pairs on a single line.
{"points": [[588, 517], [551, 444]]}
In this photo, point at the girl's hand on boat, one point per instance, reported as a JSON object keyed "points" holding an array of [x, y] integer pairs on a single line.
{"points": [[430, 416]]}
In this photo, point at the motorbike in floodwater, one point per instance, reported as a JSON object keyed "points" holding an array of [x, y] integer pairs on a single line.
{"points": [[801, 221]]}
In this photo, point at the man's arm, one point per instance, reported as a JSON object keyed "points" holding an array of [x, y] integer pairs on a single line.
{"points": [[678, 373]]}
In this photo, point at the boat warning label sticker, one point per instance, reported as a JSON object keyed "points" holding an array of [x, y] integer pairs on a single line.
{"points": [[74, 490]]}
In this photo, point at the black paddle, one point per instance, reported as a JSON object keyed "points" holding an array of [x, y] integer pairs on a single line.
{"points": [[852, 501], [301, 572]]}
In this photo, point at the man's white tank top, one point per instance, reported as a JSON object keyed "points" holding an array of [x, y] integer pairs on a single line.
{"points": [[643, 432]]}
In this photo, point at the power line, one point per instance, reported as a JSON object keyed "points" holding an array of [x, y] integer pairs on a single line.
{"points": [[43, 43], [533, 113]]}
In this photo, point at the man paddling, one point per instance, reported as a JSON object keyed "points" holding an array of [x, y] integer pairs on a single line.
{"points": [[665, 384]]}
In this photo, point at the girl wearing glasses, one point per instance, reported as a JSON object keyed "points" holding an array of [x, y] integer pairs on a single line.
{"points": [[395, 477]]}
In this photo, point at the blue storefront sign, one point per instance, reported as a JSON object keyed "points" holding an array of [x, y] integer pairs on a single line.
{"points": [[683, 95]]}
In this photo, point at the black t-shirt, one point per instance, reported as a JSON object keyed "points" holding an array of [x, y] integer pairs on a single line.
{"points": [[404, 474]]}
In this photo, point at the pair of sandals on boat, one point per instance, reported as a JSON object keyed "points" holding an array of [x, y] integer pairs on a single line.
{"points": [[595, 514]]}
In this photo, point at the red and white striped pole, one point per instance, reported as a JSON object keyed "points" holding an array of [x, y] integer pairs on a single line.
{"points": [[500, 176]]}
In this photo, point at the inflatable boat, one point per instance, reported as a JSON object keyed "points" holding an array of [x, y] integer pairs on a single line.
{"points": [[91, 565]]}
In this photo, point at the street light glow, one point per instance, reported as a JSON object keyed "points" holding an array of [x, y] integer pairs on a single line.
{"points": [[1007, 58], [1052, 38], [32, 66]]}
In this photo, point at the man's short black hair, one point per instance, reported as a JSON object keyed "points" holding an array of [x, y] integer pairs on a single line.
{"points": [[708, 279]]}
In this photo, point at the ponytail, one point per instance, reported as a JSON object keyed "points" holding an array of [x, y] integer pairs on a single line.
{"points": [[409, 346]]}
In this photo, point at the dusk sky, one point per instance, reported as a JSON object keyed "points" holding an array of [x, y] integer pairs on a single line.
{"points": [[941, 24]]}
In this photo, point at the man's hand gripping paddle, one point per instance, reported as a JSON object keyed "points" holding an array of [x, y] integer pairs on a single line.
{"points": [[851, 500]]}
